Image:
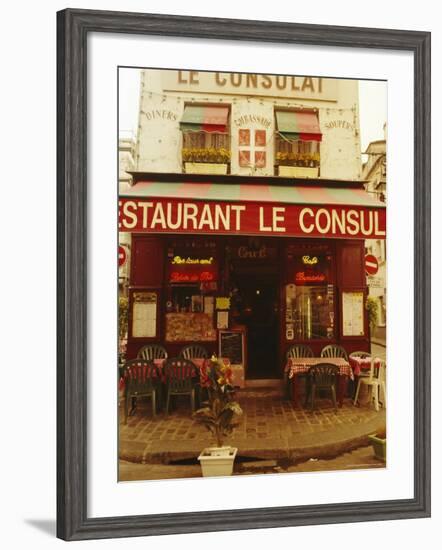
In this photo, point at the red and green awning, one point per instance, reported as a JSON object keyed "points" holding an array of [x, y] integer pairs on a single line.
{"points": [[280, 194], [298, 125], [205, 118]]}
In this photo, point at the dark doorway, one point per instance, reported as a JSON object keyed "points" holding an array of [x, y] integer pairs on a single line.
{"points": [[259, 313]]}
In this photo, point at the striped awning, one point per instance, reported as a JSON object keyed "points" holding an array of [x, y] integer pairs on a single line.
{"points": [[204, 118], [298, 125], [254, 193]]}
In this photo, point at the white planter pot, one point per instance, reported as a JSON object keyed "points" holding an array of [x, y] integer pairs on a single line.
{"points": [[298, 172], [205, 168], [217, 461]]}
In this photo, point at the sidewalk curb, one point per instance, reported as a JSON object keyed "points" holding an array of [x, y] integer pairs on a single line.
{"points": [[293, 448]]}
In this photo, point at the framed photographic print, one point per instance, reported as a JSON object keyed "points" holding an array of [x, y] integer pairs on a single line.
{"points": [[204, 158]]}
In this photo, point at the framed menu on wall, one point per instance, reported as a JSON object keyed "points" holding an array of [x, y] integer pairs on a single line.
{"points": [[353, 313], [144, 317]]}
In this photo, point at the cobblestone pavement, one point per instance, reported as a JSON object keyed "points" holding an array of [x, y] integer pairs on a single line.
{"points": [[270, 428]]}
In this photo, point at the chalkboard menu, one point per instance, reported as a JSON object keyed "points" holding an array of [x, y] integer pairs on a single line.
{"points": [[231, 345]]}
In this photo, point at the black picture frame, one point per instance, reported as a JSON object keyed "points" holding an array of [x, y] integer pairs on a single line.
{"points": [[73, 27]]}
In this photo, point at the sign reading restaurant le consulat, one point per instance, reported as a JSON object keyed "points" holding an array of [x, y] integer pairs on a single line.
{"points": [[249, 218], [251, 84]]}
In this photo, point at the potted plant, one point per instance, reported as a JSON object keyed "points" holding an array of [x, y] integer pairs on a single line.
{"points": [[371, 305], [379, 444], [218, 416]]}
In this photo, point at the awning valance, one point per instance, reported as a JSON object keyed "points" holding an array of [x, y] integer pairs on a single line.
{"points": [[300, 194], [298, 125], [250, 209], [204, 118]]}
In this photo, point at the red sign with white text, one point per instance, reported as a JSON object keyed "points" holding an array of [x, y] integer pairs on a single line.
{"points": [[170, 215]]}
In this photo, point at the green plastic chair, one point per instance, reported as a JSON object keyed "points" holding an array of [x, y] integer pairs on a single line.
{"points": [[299, 350], [142, 379], [295, 352], [182, 378], [323, 377], [151, 352], [333, 350], [194, 351]]}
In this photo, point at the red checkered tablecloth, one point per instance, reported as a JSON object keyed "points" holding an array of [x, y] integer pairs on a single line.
{"points": [[141, 372], [359, 364], [200, 364], [301, 365]]}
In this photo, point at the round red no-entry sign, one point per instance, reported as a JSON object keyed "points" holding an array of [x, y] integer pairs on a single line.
{"points": [[371, 264], [122, 255]]}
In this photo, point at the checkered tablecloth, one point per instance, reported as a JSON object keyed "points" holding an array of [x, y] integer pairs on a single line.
{"points": [[141, 372], [359, 364], [301, 365]]}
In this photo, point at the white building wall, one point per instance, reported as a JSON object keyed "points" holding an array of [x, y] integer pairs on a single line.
{"points": [[252, 114], [159, 140], [341, 146], [374, 173], [126, 163]]}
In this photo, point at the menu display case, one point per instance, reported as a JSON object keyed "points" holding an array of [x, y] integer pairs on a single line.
{"points": [[144, 314], [190, 327]]}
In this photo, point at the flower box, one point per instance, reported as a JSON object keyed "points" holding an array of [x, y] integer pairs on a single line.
{"points": [[298, 172], [205, 168]]}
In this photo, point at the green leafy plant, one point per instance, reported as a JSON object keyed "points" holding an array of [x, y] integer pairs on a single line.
{"points": [[123, 320], [218, 416], [372, 306], [209, 155], [292, 158]]}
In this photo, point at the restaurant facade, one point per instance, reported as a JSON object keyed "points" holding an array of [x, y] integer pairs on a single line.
{"points": [[247, 218]]}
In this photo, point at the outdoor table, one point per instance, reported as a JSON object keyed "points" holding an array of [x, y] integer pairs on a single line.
{"points": [[301, 365], [200, 363], [141, 372], [359, 364], [138, 372]]}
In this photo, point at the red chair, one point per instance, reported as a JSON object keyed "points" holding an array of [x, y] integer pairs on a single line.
{"points": [[142, 379]]}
